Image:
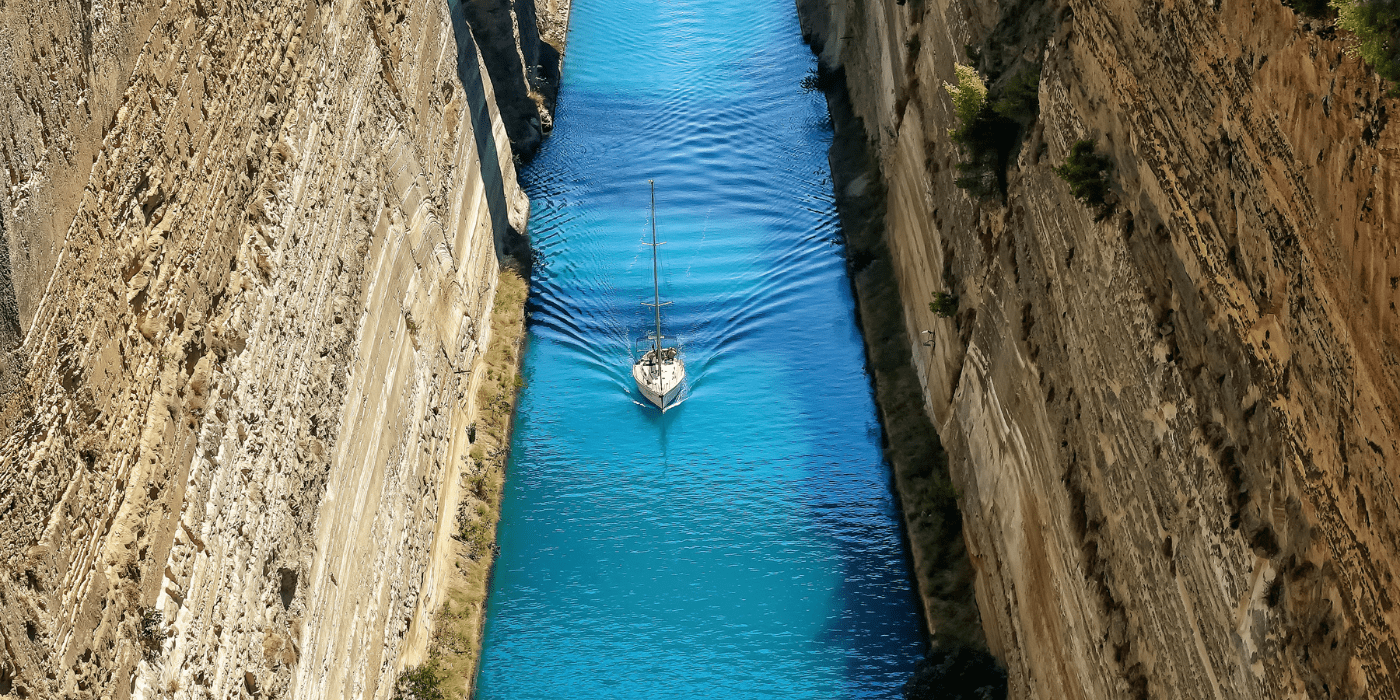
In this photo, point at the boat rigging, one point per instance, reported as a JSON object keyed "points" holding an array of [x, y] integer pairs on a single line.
{"points": [[660, 373]]}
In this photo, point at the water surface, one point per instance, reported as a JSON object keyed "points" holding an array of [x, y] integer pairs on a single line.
{"points": [[745, 544]]}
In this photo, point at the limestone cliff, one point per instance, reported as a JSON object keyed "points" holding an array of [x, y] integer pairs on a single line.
{"points": [[249, 257], [1174, 426]]}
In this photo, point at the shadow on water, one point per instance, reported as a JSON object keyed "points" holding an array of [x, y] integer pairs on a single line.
{"points": [[858, 519]]}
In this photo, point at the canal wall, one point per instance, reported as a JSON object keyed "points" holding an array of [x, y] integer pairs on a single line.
{"points": [[1169, 421], [250, 256]]}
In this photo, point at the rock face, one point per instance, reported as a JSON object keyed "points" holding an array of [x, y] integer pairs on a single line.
{"points": [[250, 255], [1174, 427], [515, 55]]}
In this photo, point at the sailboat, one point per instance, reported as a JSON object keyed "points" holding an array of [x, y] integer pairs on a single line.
{"points": [[660, 373]]}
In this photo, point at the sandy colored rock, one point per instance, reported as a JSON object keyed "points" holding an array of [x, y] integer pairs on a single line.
{"points": [[1173, 430]]}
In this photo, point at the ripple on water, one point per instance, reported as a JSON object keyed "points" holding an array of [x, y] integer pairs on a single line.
{"points": [[745, 544]]}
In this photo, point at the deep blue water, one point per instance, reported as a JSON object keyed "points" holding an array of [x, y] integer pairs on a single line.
{"points": [[745, 544]]}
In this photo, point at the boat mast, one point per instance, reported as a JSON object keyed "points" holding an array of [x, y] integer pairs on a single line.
{"points": [[655, 281]]}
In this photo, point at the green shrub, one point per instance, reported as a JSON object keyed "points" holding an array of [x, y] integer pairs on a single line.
{"points": [[1376, 25], [944, 304], [420, 683], [476, 534], [969, 96], [1086, 172], [985, 133]]}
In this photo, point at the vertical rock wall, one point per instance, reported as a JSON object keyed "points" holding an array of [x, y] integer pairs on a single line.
{"points": [[1175, 429], [252, 249], [68, 63], [516, 56]]}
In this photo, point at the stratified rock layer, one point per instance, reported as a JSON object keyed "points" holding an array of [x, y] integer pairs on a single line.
{"points": [[1175, 429], [251, 249]]}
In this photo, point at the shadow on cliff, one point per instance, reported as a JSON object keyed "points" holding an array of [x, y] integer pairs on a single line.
{"points": [[11, 368], [957, 665], [524, 70], [510, 243]]}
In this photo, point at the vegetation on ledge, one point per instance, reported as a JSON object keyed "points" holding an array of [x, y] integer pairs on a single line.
{"points": [[957, 673], [944, 304], [419, 683], [1375, 24], [1087, 173], [456, 646], [990, 124]]}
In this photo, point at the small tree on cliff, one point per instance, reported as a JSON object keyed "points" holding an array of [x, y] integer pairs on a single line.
{"points": [[986, 135], [1376, 25], [969, 96], [1087, 173], [944, 304]]}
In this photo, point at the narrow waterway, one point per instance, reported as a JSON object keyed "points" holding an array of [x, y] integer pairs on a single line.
{"points": [[745, 544]]}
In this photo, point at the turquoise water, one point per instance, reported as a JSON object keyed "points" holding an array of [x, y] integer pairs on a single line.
{"points": [[745, 544]]}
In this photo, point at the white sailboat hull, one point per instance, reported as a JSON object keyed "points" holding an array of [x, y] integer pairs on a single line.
{"points": [[660, 382]]}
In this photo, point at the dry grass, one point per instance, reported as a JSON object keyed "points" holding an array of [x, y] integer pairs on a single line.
{"points": [[457, 641]]}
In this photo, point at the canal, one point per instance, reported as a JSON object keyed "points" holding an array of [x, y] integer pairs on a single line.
{"points": [[746, 543]]}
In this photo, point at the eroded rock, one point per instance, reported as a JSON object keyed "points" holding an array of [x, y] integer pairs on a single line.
{"points": [[1170, 422], [222, 446]]}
